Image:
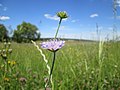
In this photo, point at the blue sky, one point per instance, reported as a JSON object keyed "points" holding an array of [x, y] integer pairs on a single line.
{"points": [[83, 16]]}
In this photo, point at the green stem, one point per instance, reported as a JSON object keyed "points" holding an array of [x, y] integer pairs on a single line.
{"points": [[54, 53], [58, 28]]}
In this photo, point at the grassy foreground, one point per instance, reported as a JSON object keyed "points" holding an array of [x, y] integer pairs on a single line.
{"points": [[78, 66]]}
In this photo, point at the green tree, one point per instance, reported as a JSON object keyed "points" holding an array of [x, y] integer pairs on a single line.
{"points": [[26, 32], [3, 32]]}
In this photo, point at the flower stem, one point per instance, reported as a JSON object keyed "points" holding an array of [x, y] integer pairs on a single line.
{"points": [[58, 28], [54, 53]]}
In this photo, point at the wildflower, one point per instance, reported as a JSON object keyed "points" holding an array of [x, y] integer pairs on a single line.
{"points": [[115, 66], [5, 44], [10, 50], [62, 15], [3, 51], [4, 56], [23, 80], [53, 45], [6, 79], [9, 44], [9, 62], [13, 63]]}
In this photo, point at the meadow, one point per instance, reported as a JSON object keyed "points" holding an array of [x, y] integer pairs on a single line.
{"points": [[79, 65]]}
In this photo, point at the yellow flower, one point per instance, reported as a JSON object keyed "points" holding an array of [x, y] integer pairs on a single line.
{"points": [[6, 79], [9, 61], [13, 63]]}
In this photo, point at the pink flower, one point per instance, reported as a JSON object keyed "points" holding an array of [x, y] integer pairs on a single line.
{"points": [[53, 45]]}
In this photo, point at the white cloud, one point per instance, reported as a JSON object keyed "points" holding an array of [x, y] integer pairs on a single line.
{"points": [[75, 20], [3, 18], [94, 15], [49, 16]]}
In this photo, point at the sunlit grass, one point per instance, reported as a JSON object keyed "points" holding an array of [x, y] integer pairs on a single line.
{"points": [[76, 67]]}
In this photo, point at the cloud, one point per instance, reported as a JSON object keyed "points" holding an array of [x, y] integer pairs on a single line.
{"points": [[48, 16], [94, 15], [73, 21], [3, 18], [55, 17]]}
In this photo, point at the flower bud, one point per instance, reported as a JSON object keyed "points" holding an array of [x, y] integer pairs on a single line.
{"points": [[9, 44], [10, 50], [4, 56], [4, 51], [62, 15], [5, 44]]}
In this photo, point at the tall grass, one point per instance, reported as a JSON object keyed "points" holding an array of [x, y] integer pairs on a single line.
{"points": [[79, 66]]}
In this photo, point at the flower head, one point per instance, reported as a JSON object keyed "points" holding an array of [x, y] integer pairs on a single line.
{"points": [[62, 15], [13, 63], [23, 80], [53, 45], [9, 61], [6, 79]]}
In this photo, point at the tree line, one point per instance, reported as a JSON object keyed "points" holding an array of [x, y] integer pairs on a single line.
{"points": [[23, 33]]}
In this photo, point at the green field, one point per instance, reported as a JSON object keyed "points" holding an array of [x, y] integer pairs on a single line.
{"points": [[79, 66]]}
